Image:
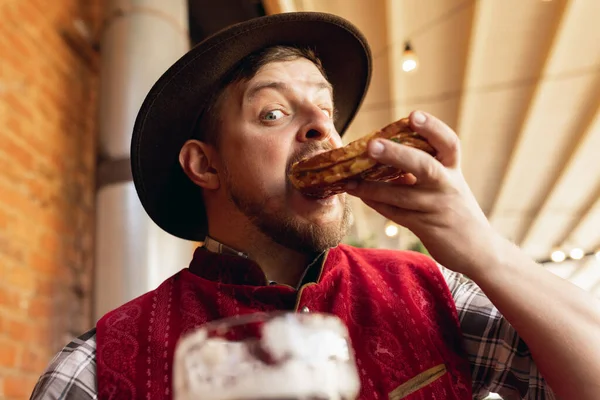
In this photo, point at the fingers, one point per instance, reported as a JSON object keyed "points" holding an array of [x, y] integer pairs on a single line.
{"points": [[420, 164], [414, 161], [385, 210], [404, 179], [401, 217], [439, 135], [404, 197]]}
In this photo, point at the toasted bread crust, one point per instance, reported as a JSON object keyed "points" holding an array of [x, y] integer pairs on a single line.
{"points": [[327, 173], [352, 149]]}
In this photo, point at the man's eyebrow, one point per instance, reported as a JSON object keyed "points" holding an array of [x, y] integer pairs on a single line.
{"points": [[284, 87]]}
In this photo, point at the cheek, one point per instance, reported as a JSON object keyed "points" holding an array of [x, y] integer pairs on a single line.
{"points": [[256, 157], [258, 165]]}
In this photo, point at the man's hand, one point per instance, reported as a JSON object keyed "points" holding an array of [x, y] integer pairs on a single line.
{"points": [[433, 200]]}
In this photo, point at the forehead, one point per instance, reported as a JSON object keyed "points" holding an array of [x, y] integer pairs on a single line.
{"points": [[300, 67], [296, 75]]}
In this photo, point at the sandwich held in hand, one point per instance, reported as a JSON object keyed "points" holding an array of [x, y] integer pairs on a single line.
{"points": [[327, 173]]}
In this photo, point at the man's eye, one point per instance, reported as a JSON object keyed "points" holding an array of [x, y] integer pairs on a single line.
{"points": [[273, 115], [327, 110]]}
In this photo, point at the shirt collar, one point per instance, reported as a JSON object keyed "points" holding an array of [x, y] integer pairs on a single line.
{"points": [[215, 246], [218, 262]]}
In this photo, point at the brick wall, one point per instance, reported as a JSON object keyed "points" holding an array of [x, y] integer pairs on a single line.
{"points": [[47, 169]]}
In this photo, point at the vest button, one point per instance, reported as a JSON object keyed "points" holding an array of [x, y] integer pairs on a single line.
{"points": [[305, 309]]}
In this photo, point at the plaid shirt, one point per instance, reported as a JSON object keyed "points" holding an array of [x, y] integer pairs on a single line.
{"points": [[500, 360]]}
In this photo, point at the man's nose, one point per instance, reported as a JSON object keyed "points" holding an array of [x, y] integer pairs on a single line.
{"points": [[318, 127]]}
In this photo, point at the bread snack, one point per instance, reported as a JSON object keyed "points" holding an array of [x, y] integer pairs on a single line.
{"points": [[327, 173]]}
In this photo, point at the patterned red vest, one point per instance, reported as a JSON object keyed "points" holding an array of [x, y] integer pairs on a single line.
{"points": [[399, 311]]}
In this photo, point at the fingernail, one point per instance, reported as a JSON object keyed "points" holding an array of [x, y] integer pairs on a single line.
{"points": [[375, 147], [418, 118]]}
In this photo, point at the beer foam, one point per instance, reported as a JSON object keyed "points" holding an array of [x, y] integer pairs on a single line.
{"points": [[308, 358]]}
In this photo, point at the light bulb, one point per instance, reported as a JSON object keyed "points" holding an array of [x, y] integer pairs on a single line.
{"points": [[410, 62], [391, 229], [409, 65], [558, 256], [576, 254]]}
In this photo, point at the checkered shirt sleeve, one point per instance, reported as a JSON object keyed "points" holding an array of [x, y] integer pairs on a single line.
{"points": [[71, 375], [500, 360]]}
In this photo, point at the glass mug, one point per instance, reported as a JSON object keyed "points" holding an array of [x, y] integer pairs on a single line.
{"points": [[279, 355]]}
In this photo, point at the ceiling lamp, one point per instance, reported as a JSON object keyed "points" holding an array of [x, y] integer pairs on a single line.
{"points": [[558, 256], [391, 229], [598, 255], [576, 254], [410, 62]]}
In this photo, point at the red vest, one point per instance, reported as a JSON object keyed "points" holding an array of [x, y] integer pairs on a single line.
{"points": [[397, 306]]}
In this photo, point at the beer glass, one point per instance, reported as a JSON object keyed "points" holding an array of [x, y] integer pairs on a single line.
{"points": [[280, 355]]}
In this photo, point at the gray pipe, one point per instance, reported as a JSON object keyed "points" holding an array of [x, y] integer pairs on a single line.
{"points": [[141, 39]]}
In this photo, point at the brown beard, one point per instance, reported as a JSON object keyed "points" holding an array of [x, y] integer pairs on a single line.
{"points": [[282, 226]]}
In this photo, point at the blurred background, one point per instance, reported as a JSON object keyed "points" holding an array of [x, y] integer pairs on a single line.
{"points": [[519, 81]]}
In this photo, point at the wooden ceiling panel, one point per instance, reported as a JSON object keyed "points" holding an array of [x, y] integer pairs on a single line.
{"points": [[564, 269], [369, 18], [578, 46], [420, 15], [544, 146], [587, 232], [445, 109], [367, 122], [441, 49], [562, 104], [574, 192], [491, 121], [587, 275], [439, 33], [510, 41]]}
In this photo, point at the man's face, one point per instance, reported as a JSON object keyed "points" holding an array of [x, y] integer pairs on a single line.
{"points": [[281, 115]]}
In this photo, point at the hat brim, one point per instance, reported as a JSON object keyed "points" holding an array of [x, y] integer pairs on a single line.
{"points": [[169, 112]]}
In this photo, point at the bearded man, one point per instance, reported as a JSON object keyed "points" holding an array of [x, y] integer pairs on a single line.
{"points": [[212, 148]]}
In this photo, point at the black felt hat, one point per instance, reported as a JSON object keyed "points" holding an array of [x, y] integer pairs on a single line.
{"points": [[171, 109]]}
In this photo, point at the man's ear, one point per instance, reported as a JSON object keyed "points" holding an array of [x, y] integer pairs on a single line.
{"points": [[197, 160]]}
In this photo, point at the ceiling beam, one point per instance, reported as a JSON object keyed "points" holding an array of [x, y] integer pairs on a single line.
{"points": [[476, 42], [586, 233], [520, 155], [580, 268], [501, 69], [573, 194], [466, 109], [396, 33]]}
